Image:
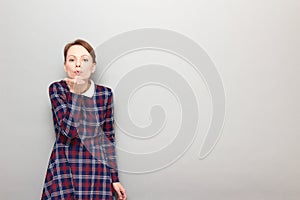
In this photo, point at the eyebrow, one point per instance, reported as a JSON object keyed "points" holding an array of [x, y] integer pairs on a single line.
{"points": [[80, 56]]}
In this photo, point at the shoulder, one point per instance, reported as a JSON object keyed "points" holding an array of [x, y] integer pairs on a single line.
{"points": [[58, 85], [104, 90]]}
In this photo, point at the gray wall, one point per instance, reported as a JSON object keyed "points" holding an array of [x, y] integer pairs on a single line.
{"points": [[254, 46]]}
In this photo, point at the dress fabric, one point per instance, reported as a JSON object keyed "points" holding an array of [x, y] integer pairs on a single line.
{"points": [[83, 163]]}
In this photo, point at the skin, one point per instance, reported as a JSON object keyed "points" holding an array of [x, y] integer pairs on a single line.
{"points": [[79, 66]]}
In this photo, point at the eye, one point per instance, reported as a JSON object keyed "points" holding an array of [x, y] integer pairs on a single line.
{"points": [[86, 60], [71, 60]]}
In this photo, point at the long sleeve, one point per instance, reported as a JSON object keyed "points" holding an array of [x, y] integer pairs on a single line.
{"points": [[65, 108], [108, 129]]}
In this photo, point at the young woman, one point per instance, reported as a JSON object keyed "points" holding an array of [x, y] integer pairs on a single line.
{"points": [[83, 161]]}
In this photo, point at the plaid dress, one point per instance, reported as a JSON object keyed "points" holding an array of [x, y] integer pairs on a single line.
{"points": [[82, 164]]}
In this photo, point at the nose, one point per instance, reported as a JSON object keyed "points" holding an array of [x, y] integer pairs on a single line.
{"points": [[78, 63]]}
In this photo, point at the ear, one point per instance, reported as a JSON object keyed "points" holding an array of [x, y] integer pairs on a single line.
{"points": [[65, 67], [94, 67]]}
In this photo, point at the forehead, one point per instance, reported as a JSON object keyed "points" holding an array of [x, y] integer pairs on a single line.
{"points": [[77, 50]]}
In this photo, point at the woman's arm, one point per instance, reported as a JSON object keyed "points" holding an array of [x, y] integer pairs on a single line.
{"points": [[108, 129], [65, 109]]}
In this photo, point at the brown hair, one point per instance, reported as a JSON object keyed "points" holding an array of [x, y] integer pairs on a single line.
{"points": [[83, 43]]}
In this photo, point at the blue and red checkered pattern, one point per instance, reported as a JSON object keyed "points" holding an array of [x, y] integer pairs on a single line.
{"points": [[83, 163]]}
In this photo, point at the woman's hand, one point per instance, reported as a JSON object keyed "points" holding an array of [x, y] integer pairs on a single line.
{"points": [[120, 190], [77, 85]]}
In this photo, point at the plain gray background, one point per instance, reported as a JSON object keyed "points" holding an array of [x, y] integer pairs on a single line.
{"points": [[255, 47]]}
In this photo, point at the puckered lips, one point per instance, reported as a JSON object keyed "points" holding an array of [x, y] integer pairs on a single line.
{"points": [[77, 72]]}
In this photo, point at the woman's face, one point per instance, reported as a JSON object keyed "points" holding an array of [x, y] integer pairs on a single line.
{"points": [[79, 62]]}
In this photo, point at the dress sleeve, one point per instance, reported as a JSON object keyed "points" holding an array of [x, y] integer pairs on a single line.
{"points": [[108, 129], [65, 108]]}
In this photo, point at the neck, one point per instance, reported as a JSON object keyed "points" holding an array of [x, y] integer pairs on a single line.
{"points": [[88, 84]]}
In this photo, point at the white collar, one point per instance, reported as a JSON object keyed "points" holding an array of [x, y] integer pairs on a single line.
{"points": [[91, 90]]}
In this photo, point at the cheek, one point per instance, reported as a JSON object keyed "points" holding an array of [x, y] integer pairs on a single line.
{"points": [[87, 72], [68, 65], [87, 68], [69, 68]]}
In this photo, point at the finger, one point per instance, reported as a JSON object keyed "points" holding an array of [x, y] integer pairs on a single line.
{"points": [[124, 195], [69, 80], [119, 193], [123, 192], [79, 80]]}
